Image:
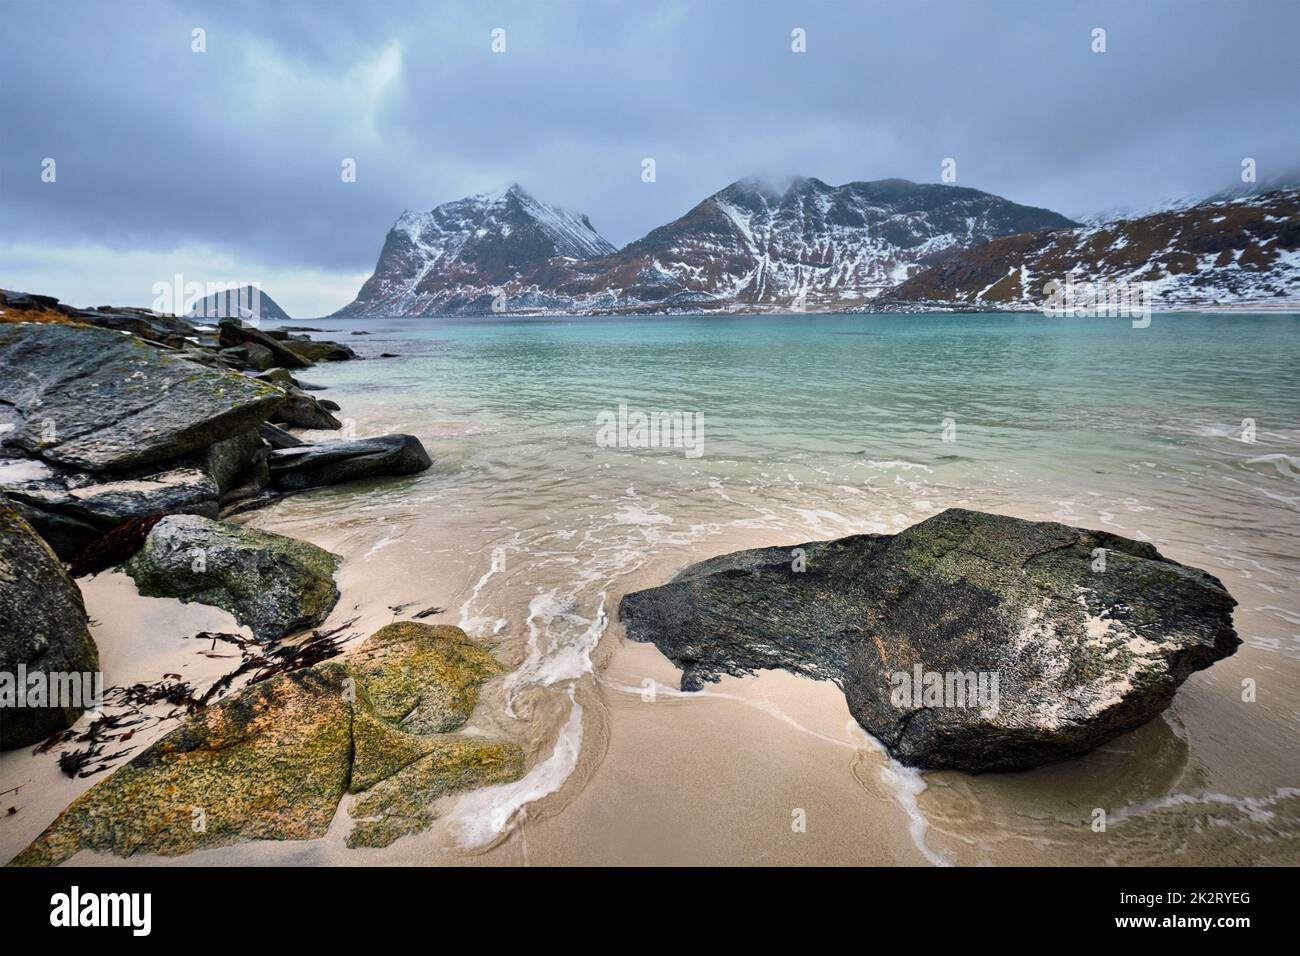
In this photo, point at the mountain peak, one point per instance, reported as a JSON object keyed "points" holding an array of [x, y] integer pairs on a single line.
{"points": [[761, 240]]}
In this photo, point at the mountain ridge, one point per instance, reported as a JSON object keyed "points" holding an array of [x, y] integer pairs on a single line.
{"points": [[756, 244]]}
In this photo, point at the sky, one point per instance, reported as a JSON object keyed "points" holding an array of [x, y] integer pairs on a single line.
{"points": [[227, 165]]}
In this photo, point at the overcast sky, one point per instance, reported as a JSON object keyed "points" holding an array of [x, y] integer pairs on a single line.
{"points": [[225, 165]]}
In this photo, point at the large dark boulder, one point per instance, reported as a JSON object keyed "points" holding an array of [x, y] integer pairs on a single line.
{"points": [[331, 463], [43, 630], [970, 641], [99, 400], [275, 585]]}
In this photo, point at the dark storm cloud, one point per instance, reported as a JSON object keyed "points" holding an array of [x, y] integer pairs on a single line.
{"points": [[239, 149]]}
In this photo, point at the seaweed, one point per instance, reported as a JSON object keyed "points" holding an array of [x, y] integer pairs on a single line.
{"points": [[113, 547]]}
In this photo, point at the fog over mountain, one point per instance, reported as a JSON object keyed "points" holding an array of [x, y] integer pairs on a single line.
{"points": [[226, 165]]}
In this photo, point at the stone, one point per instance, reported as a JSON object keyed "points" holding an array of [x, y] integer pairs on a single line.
{"points": [[275, 585], [43, 629], [319, 351], [331, 463], [1087, 634], [232, 333], [273, 761], [301, 410], [100, 400]]}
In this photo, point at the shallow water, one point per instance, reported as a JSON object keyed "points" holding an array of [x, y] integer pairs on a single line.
{"points": [[527, 532]]}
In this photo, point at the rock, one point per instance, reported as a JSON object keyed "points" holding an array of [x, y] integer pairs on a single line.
{"points": [[278, 376], [275, 585], [273, 761], [101, 401], [96, 507], [232, 333], [259, 356], [300, 410], [1079, 655], [43, 629], [277, 437], [319, 351], [331, 463], [230, 461], [70, 508]]}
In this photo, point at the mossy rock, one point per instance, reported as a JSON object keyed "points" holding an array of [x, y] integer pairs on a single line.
{"points": [[273, 761], [274, 584]]}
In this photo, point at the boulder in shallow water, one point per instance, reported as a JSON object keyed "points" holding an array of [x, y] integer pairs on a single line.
{"points": [[319, 351], [969, 641], [331, 463], [100, 400], [275, 585], [273, 761], [43, 629]]}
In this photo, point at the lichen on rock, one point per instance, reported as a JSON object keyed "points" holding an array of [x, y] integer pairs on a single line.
{"points": [[273, 761], [1080, 635]]}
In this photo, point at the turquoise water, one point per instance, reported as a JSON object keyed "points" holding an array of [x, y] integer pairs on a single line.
{"points": [[528, 530], [1094, 403]]}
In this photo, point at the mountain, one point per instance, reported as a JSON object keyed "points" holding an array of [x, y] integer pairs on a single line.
{"points": [[453, 258], [237, 303], [754, 243], [751, 244], [1225, 251]]}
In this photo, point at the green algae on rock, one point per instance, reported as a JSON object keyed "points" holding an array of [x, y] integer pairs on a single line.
{"points": [[274, 584], [43, 630], [1087, 634], [273, 761]]}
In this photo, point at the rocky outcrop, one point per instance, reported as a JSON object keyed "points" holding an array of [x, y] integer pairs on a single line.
{"points": [[330, 463], [99, 400], [43, 635], [234, 334], [969, 641], [71, 508], [275, 585], [301, 410], [318, 351], [273, 761]]}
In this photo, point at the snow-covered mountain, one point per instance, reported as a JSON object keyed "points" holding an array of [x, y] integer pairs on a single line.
{"points": [[754, 243], [1229, 251], [454, 258], [751, 244]]}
